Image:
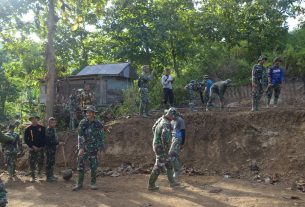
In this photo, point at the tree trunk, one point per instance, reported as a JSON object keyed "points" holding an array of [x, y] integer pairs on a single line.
{"points": [[174, 57], [50, 58]]}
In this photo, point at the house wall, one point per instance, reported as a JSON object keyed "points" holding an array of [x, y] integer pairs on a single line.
{"points": [[108, 90], [115, 88]]}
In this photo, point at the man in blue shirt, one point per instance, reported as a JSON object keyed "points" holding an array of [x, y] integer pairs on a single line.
{"points": [[275, 81]]}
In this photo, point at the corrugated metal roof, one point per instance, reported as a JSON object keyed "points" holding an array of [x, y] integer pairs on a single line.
{"points": [[106, 70]]}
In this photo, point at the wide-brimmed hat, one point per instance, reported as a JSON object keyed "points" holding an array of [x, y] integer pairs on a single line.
{"points": [[91, 108], [33, 116]]}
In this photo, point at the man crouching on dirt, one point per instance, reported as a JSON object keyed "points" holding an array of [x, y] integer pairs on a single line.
{"points": [[90, 141], [161, 144], [178, 140]]}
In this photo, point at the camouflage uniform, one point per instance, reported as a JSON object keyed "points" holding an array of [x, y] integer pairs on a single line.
{"points": [[50, 149], [219, 89], [10, 152], [3, 199], [87, 98], [161, 145], [178, 139], [257, 78], [72, 105], [91, 139], [143, 88], [35, 136], [191, 88]]}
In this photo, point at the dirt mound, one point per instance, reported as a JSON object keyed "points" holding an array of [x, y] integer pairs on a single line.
{"points": [[220, 142], [271, 141]]}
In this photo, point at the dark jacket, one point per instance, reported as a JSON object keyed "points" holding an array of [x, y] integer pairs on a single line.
{"points": [[35, 136]]}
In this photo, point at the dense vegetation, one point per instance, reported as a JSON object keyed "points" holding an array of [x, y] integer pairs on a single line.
{"points": [[222, 38]]}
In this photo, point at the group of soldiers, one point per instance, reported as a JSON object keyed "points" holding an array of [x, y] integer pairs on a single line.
{"points": [[265, 80]]}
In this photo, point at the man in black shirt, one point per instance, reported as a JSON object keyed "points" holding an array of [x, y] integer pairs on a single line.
{"points": [[34, 137]]}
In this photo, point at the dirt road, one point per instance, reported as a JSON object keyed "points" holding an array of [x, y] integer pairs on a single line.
{"points": [[131, 191]]}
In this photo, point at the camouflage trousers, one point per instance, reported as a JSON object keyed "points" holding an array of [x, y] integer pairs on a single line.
{"points": [[93, 162], [50, 154], [10, 161], [3, 199], [144, 101], [163, 161], [191, 100], [257, 93], [36, 159], [276, 88], [174, 153]]}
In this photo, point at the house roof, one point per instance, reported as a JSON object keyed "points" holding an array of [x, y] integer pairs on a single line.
{"points": [[118, 69]]}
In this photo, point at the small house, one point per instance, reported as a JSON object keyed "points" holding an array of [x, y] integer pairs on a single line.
{"points": [[106, 81]]}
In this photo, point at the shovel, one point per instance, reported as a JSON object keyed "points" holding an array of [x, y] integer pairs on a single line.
{"points": [[67, 173]]}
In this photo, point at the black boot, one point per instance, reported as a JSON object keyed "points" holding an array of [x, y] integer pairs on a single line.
{"points": [[152, 181]]}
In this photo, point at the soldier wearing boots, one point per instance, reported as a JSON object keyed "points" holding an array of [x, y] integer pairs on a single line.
{"points": [[161, 146], [143, 88], [275, 81], [34, 137], [191, 88], [178, 140], [90, 142], [50, 149], [5, 140], [258, 72], [10, 151]]}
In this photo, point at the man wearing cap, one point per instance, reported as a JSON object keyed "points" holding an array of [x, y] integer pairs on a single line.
{"points": [[161, 146], [50, 149], [258, 72], [166, 82], [10, 150], [191, 87], [34, 137], [275, 81], [219, 89], [90, 142], [206, 85], [143, 89]]}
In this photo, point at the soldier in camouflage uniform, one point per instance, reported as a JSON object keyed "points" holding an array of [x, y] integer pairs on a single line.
{"points": [[275, 81], [50, 149], [10, 151], [5, 140], [143, 89], [258, 71], [87, 97], [72, 105], [191, 87], [178, 140], [34, 137], [161, 145], [90, 142], [219, 89]]}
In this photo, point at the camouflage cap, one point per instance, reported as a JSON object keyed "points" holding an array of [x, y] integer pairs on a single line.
{"points": [[91, 108], [192, 81], [262, 57], [33, 116], [173, 111]]}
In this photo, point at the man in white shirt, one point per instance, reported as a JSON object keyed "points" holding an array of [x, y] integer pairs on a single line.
{"points": [[167, 81]]}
